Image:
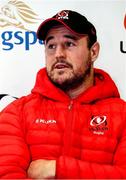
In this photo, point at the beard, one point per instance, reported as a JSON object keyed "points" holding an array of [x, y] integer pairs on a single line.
{"points": [[73, 79]]}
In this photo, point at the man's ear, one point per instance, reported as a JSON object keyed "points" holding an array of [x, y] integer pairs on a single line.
{"points": [[94, 51]]}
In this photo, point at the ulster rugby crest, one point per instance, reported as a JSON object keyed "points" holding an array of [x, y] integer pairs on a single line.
{"points": [[62, 15], [98, 125]]}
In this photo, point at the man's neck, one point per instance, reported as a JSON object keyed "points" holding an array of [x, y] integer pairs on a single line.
{"points": [[88, 82]]}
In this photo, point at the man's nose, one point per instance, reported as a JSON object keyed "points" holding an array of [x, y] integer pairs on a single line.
{"points": [[60, 52]]}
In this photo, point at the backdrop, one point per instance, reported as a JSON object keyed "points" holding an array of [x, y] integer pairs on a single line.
{"points": [[22, 55]]}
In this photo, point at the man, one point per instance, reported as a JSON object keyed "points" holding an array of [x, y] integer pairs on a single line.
{"points": [[73, 124]]}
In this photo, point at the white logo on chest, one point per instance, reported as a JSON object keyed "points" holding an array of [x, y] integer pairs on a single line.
{"points": [[43, 121]]}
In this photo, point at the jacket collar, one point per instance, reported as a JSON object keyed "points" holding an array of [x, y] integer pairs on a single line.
{"points": [[104, 87]]}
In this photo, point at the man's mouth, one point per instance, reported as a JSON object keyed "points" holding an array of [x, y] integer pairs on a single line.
{"points": [[61, 66]]}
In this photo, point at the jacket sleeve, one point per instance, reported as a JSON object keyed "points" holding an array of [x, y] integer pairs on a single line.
{"points": [[14, 153], [68, 167]]}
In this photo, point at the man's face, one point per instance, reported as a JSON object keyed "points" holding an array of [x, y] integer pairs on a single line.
{"points": [[68, 59]]}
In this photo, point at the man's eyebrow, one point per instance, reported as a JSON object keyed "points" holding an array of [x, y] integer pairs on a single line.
{"points": [[49, 38]]}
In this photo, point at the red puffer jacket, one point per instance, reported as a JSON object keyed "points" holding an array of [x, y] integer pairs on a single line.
{"points": [[86, 136]]}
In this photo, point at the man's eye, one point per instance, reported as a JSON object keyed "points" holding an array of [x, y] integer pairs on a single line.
{"points": [[69, 44], [51, 46]]}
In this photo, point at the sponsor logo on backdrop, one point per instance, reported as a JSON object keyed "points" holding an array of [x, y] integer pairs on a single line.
{"points": [[18, 14], [123, 43], [125, 21]]}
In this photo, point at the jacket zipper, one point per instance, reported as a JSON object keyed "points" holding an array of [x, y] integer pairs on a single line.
{"points": [[70, 105], [68, 130]]}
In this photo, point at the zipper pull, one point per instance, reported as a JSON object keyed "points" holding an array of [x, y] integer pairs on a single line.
{"points": [[70, 105]]}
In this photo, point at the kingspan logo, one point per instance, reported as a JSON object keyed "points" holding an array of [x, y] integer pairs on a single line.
{"points": [[18, 14]]}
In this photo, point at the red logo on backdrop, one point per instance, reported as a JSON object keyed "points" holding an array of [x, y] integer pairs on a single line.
{"points": [[123, 43], [125, 21]]}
